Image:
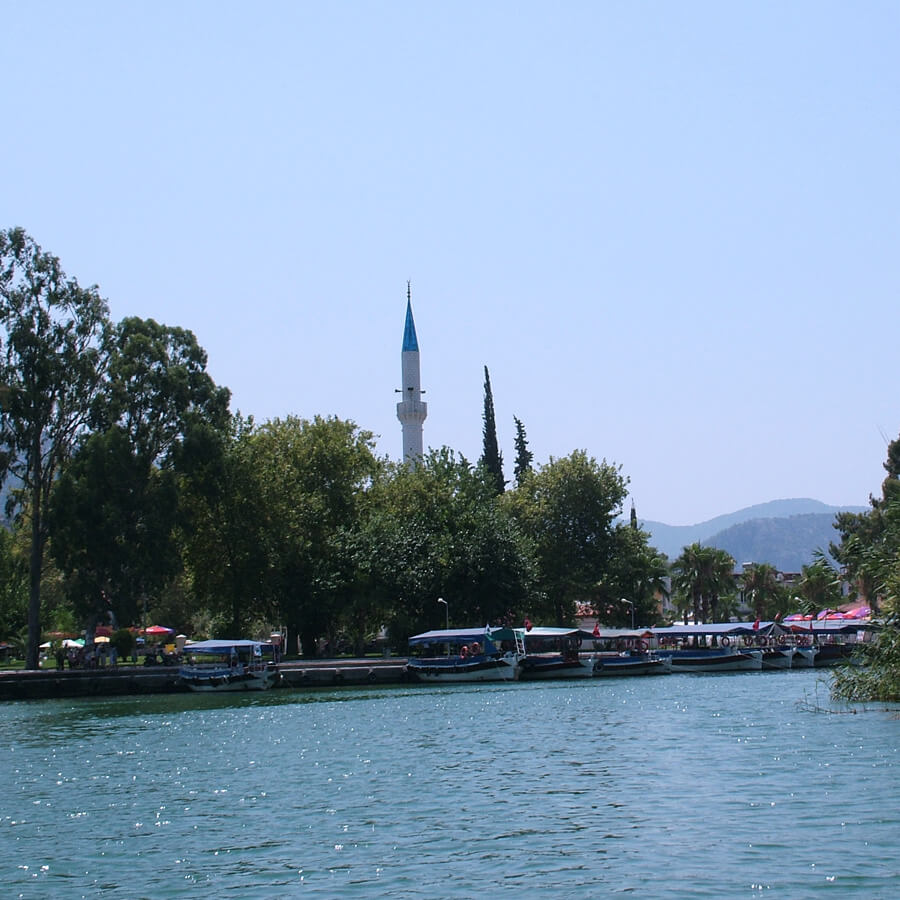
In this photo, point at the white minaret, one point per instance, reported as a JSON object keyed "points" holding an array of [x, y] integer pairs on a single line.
{"points": [[411, 411]]}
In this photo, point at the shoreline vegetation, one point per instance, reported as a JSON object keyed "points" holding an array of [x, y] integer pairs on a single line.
{"points": [[134, 494]]}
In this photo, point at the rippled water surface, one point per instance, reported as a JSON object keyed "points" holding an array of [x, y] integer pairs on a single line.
{"points": [[679, 786]]}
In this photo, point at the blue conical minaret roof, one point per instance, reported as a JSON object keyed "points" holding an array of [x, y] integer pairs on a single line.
{"points": [[409, 332]]}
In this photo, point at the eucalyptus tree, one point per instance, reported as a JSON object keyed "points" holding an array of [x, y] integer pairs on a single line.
{"points": [[13, 586], [567, 509], [52, 362], [115, 510]]}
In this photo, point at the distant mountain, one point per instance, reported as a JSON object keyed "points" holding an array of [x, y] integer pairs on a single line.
{"points": [[784, 533]]}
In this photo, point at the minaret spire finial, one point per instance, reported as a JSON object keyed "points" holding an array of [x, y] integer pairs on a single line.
{"points": [[408, 292]]}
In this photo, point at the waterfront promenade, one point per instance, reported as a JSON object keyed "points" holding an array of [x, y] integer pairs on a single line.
{"points": [[18, 684]]}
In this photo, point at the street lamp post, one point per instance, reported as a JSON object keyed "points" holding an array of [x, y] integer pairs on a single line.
{"points": [[446, 610], [631, 604]]}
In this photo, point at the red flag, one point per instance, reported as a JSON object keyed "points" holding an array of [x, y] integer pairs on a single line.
{"points": [[756, 625], [528, 624], [597, 629]]}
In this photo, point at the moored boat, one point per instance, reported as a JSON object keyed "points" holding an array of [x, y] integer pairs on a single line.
{"points": [[554, 653], [631, 663], [822, 643], [464, 655], [717, 646], [212, 666], [723, 659]]}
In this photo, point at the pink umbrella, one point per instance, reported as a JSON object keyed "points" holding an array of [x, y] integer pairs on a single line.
{"points": [[159, 630]]}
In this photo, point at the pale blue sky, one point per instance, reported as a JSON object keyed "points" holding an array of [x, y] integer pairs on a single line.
{"points": [[669, 229]]}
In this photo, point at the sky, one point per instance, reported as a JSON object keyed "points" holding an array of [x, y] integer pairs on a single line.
{"points": [[669, 230]]}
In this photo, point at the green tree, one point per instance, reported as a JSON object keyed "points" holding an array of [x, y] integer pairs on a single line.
{"points": [[226, 533], [13, 587], [702, 576], [115, 509], [524, 456], [440, 531], [491, 458], [860, 533], [688, 580], [313, 475], [567, 509], [819, 585], [760, 583], [51, 368], [638, 574]]}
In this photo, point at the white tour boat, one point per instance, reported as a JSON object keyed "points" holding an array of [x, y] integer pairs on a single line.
{"points": [[229, 666], [465, 654]]}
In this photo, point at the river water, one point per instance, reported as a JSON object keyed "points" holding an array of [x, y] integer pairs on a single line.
{"points": [[740, 785]]}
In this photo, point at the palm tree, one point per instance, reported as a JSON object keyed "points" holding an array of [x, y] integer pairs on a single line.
{"points": [[703, 574], [687, 572], [760, 586], [720, 579]]}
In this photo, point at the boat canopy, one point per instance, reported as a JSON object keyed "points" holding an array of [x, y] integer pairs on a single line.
{"points": [[461, 635], [766, 629], [226, 647], [611, 634], [540, 631], [831, 626]]}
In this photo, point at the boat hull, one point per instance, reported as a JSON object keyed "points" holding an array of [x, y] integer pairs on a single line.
{"points": [[716, 661], [453, 670], [833, 655], [609, 667], [535, 668], [778, 658], [223, 680]]}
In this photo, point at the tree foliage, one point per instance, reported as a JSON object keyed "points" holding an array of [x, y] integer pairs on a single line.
{"points": [[442, 533], [760, 584], [115, 509], [312, 479], [491, 458], [566, 509], [702, 576], [524, 456], [51, 367]]}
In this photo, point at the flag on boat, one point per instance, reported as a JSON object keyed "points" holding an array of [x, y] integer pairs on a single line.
{"points": [[756, 625], [528, 625]]}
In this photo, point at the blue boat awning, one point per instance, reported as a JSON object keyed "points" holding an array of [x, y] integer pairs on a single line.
{"points": [[462, 635]]}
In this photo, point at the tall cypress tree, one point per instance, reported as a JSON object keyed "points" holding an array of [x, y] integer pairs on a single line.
{"points": [[523, 454], [491, 458]]}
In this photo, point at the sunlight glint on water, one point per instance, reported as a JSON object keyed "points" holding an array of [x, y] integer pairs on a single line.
{"points": [[692, 786]]}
